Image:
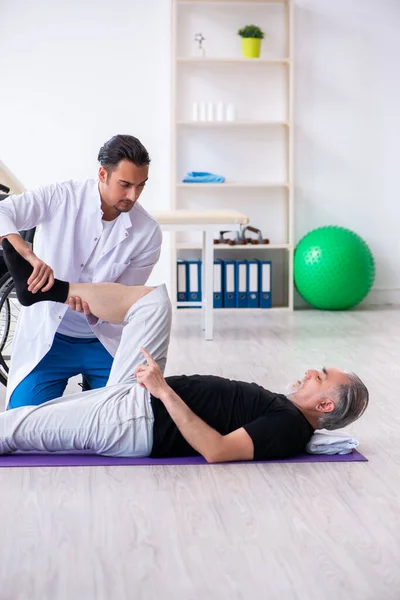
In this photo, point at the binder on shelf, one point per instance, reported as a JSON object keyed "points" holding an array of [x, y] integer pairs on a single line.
{"points": [[241, 284], [265, 283], [181, 281], [218, 283], [253, 295], [194, 280], [229, 284]]}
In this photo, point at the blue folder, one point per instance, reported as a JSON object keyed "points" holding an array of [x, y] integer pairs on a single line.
{"points": [[194, 280], [253, 295], [265, 284], [218, 283], [241, 283], [229, 284], [181, 281]]}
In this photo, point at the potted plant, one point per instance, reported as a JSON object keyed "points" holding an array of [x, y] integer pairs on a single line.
{"points": [[251, 41]]}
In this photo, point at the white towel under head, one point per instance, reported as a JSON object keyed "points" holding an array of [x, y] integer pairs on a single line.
{"points": [[327, 443]]}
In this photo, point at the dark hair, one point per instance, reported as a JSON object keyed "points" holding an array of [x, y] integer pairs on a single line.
{"points": [[122, 147]]}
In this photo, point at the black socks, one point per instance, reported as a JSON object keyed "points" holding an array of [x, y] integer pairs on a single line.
{"points": [[20, 270]]}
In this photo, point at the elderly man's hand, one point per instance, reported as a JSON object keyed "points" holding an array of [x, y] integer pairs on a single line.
{"points": [[76, 303], [150, 377]]}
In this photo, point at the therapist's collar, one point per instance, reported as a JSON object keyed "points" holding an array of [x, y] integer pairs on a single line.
{"points": [[124, 219]]}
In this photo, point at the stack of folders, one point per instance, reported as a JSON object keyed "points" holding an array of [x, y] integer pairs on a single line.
{"points": [[237, 283]]}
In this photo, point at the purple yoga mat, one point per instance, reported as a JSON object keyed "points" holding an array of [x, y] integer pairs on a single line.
{"points": [[93, 460]]}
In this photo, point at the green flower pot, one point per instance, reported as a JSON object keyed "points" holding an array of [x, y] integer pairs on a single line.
{"points": [[251, 47]]}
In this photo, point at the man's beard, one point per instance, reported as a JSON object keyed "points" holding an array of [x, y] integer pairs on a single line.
{"points": [[121, 207], [292, 388]]}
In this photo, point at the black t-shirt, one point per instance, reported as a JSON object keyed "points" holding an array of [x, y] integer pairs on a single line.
{"points": [[277, 428]]}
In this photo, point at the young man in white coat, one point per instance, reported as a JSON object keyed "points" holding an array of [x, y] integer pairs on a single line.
{"points": [[89, 231]]}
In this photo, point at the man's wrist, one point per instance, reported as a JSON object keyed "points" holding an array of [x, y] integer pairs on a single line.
{"points": [[167, 395], [21, 246]]}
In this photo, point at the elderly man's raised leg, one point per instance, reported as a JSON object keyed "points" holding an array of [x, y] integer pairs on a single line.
{"points": [[116, 420]]}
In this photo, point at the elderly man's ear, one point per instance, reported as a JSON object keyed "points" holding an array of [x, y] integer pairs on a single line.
{"points": [[325, 405]]}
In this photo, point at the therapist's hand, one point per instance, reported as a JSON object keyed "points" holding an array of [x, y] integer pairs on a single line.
{"points": [[42, 276], [76, 303]]}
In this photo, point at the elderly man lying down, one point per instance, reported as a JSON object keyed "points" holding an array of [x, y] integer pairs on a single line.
{"points": [[141, 413]]}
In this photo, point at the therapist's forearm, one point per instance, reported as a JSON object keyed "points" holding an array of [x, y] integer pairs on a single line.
{"points": [[19, 244]]}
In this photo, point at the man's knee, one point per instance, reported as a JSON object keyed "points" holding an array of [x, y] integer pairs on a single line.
{"points": [[157, 302]]}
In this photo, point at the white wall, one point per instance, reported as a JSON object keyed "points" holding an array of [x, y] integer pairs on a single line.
{"points": [[348, 125], [74, 73]]}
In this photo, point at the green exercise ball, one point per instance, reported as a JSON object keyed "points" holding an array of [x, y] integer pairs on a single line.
{"points": [[333, 268]]}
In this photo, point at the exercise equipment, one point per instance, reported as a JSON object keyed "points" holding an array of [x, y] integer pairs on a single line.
{"points": [[241, 239], [333, 268], [93, 460]]}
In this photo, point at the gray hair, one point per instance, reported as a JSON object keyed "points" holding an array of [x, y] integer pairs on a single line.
{"points": [[350, 401]]}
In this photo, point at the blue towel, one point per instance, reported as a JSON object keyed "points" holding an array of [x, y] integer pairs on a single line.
{"points": [[202, 177]]}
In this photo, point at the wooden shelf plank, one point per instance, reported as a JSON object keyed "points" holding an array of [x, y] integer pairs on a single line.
{"points": [[196, 246], [190, 305], [247, 2], [237, 123], [232, 185], [239, 61]]}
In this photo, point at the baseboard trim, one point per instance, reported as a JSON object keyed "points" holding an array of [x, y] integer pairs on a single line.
{"points": [[382, 297], [374, 298]]}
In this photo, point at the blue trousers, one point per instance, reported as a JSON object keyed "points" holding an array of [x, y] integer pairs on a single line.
{"points": [[66, 358]]}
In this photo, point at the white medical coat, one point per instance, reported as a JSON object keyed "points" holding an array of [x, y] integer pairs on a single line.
{"points": [[67, 217]]}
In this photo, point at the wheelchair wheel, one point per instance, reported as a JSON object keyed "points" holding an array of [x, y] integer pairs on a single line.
{"points": [[10, 309], [5, 323], [9, 314]]}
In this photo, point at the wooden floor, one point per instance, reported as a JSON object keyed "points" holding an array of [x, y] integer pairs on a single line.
{"points": [[259, 532]]}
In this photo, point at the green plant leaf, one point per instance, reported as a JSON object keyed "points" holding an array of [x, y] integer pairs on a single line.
{"points": [[251, 31]]}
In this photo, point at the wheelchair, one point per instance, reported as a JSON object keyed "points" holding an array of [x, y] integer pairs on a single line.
{"points": [[9, 313], [10, 308], [9, 305]]}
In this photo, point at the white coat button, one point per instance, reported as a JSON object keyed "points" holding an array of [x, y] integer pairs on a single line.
{"points": [[60, 317], [82, 265], [95, 239]]}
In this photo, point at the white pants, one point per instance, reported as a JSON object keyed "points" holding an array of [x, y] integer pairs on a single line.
{"points": [[116, 420]]}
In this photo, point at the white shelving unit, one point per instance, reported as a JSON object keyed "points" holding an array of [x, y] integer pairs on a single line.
{"points": [[230, 124], [224, 61], [229, 185], [254, 152], [196, 246]]}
